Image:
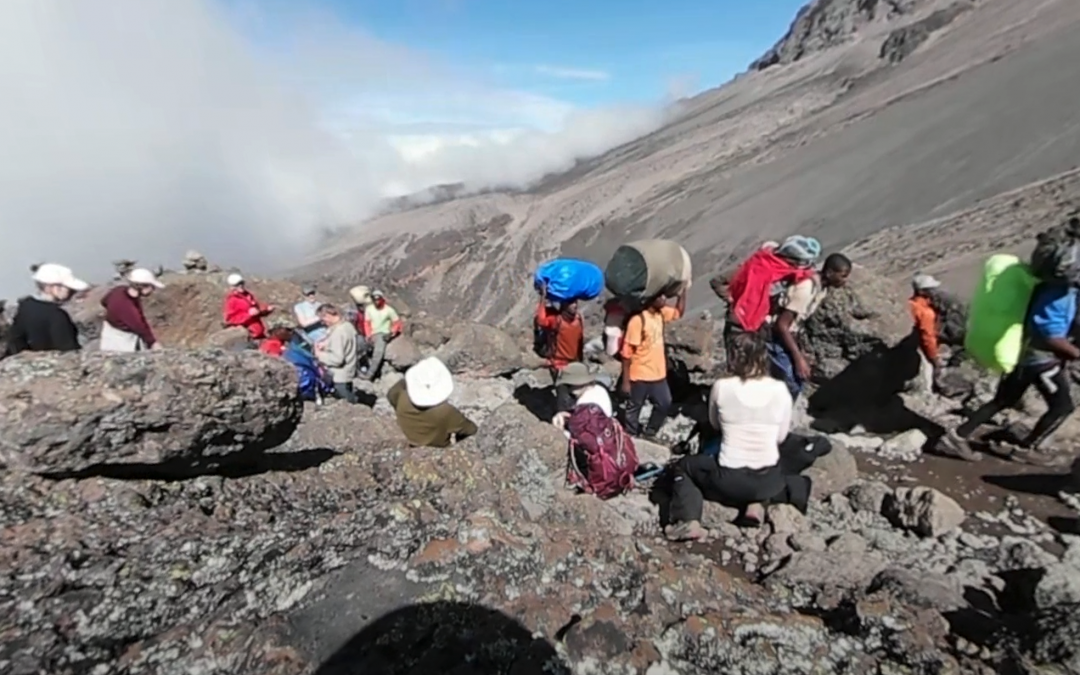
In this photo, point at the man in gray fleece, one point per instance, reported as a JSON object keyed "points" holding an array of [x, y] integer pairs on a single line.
{"points": [[337, 351]]}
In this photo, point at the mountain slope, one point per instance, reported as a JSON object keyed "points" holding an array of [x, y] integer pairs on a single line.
{"points": [[840, 143]]}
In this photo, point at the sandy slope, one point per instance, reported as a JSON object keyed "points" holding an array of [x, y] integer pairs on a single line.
{"points": [[839, 144]]}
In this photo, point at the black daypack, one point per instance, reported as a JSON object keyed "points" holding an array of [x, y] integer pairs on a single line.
{"points": [[1056, 258]]}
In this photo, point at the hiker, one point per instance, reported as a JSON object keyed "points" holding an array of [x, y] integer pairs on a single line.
{"points": [[381, 325], [753, 412], [420, 402], [583, 389], [927, 326], [125, 328], [337, 352], [242, 309], [644, 365], [1047, 351], [307, 316], [561, 340], [277, 340], [40, 323], [794, 294]]}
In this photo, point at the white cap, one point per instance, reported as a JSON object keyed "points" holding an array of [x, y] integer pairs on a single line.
{"points": [[429, 383], [924, 282], [51, 274], [144, 277], [234, 279]]}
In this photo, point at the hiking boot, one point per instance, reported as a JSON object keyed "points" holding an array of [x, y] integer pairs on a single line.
{"points": [[954, 445], [689, 531]]}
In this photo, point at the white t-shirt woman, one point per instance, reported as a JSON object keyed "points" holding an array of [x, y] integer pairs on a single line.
{"points": [[754, 417]]}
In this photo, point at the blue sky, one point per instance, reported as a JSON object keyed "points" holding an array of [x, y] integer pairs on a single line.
{"points": [[588, 53]]}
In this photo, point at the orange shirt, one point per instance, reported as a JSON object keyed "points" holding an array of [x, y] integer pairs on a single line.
{"points": [[925, 318], [569, 336], [643, 345]]}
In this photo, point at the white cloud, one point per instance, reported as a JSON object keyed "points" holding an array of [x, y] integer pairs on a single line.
{"points": [[142, 128], [573, 73]]}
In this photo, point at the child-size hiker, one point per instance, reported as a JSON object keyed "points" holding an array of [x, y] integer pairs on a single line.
{"points": [[561, 340], [927, 327], [752, 412], [421, 404], [40, 323], [1043, 364], [242, 309], [278, 340], [125, 328], [644, 365]]}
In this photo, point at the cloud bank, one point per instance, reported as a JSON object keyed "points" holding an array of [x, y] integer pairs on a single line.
{"points": [[143, 128]]}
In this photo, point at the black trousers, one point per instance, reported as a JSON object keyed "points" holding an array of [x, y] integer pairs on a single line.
{"points": [[697, 478], [1051, 381], [564, 398], [659, 393]]}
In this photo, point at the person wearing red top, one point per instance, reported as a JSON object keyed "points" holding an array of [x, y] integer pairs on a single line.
{"points": [[242, 309], [125, 328], [926, 328], [566, 342], [277, 340]]}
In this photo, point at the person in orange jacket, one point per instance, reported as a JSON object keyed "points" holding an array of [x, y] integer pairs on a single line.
{"points": [[927, 326], [242, 309], [564, 343]]}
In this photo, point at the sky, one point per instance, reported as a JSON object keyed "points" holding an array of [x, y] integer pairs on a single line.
{"points": [[245, 128]]}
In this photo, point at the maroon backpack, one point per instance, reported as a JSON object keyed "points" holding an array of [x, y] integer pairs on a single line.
{"points": [[602, 459]]}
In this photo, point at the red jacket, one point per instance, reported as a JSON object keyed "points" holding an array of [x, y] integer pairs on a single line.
{"points": [[750, 289], [238, 305], [567, 337], [272, 346], [125, 313]]}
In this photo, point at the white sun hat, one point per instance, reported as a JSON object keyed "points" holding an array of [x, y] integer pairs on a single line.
{"points": [[51, 274], [924, 282], [144, 277], [234, 279], [429, 383]]}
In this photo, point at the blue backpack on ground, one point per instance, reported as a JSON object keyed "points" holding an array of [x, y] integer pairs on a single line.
{"points": [[314, 381], [569, 279]]}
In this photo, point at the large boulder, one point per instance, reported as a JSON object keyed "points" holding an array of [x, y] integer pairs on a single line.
{"points": [[481, 350], [923, 510], [66, 413]]}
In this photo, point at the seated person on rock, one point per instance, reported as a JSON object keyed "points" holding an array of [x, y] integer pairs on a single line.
{"points": [[242, 309], [753, 413], [584, 389], [1048, 351], [381, 324], [307, 315], [420, 402], [337, 351]]}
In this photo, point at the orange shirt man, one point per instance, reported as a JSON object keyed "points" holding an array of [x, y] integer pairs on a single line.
{"points": [[644, 368], [566, 333]]}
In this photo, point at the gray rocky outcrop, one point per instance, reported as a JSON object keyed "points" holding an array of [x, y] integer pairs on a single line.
{"points": [[481, 350], [64, 413], [923, 510], [902, 42]]}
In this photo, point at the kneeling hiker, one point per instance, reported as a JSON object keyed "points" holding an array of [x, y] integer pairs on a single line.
{"points": [[583, 389], [420, 403], [753, 413], [644, 367], [1046, 353]]}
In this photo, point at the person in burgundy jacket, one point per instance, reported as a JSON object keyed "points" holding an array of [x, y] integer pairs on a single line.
{"points": [[242, 309], [125, 328]]}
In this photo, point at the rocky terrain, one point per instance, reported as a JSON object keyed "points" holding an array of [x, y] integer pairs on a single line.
{"points": [[867, 115], [154, 520]]}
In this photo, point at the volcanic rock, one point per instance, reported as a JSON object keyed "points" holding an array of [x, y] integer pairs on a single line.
{"points": [[67, 413], [923, 510]]}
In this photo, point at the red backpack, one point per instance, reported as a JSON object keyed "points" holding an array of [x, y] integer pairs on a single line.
{"points": [[753, 286], [602, 459]]}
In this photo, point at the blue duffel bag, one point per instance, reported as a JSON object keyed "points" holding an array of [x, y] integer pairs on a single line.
{"points": [[569, 279]]}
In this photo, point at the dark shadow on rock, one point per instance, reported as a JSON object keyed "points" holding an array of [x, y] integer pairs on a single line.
{"points": [[238, 465], [660, 495], [867, 392], [1018, 596], [444, 637], [540, 401], [1043, 484], [1064, 525]]}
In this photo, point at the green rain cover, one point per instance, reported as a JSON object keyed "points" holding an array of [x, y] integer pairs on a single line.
{"points": [[995, 330]]}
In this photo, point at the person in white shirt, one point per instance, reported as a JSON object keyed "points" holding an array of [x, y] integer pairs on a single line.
{"points": [[753, 414], [585, 389]]}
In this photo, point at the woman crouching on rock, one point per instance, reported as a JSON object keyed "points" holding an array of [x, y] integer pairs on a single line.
{"points": [[752, 411]]}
